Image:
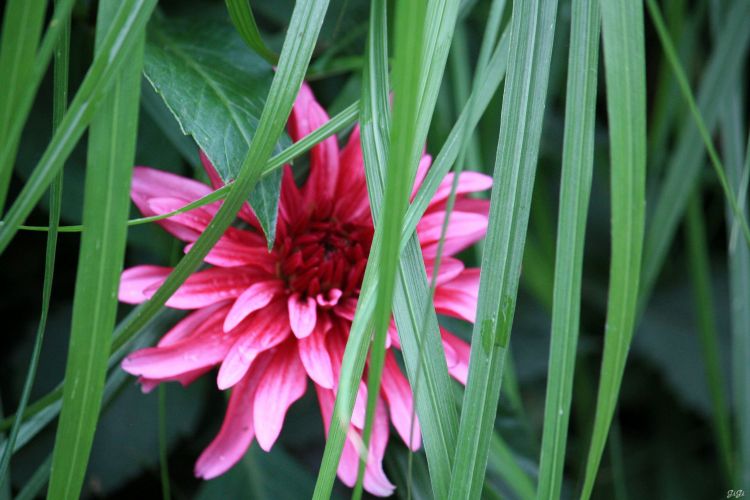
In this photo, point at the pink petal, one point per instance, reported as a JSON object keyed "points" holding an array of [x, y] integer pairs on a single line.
{"points": [[307, 116], [336, 341], [398, 394], [290, 201], [209, 287], [236, 432], [346, 309], [458, 297], [246, 213], [450, 268], [135, 281], [460, 370], [315, 357], [464, 229], [194, 220], [257, 296], [302, 315], [229, 253], [190, 324], [375, 481], [259, 332], [149, 183], [468, 182], [205, 348], [329, 298], [424, 166], [352, 199], [149, 384], [283, 383]]}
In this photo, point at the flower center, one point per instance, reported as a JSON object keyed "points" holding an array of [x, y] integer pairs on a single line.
{"points": [[318, 256]]}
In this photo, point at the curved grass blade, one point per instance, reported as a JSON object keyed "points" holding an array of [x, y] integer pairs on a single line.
{"points": [[60, 102], [531, 37], [22, 27], [242, 17], [685, 164], [403, 158], [111, 151], [624, 61], [575, 189], [129, 21]]}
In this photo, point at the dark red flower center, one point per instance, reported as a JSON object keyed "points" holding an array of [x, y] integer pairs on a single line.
{"points": [[318, 256]]}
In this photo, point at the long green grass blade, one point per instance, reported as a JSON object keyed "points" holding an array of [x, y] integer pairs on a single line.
{"points": [[126, 25], [700, 273], [242, 17], [531, 37], [575, 189], [685, 163], [60, 102], [22, 27], [25, 99], [111, 151], [624, 61], [402, 163]]}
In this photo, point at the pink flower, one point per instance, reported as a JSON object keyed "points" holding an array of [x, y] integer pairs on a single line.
{"points": [[271, 320]]}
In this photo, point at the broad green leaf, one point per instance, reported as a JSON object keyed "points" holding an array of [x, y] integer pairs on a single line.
{"points": [[216, 88], [625, 65], [531, 36]]}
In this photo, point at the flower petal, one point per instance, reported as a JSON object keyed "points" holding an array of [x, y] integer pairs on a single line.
{"points": [[302, 315], [283, 383], [257, 296], [259, 332], [246, 212], [315, 357], [461, 350], [352, 199], [464, 229], [205, 348], [400, 402], [468, 182], [210, 286], [236, 432], [449, 269], [307, 116], [135, 281], [458, 297]]}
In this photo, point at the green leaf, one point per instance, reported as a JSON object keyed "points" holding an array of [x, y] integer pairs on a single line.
{"points": [[575, 189], [22, 26], [625, 65], [111, 151], [531, 37], [216, 90]]}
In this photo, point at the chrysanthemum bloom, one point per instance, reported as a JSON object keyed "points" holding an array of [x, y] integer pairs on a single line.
{"points": [[272, 320]]}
